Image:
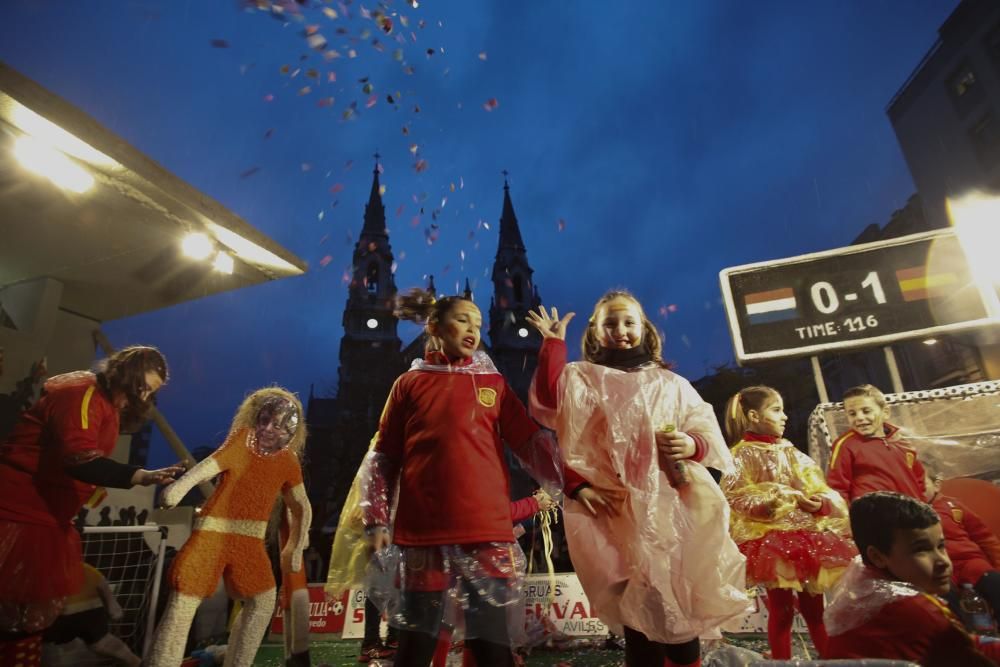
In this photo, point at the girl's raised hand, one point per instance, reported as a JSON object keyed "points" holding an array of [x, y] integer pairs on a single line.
{"points": [[549, 325], [811, 504]]}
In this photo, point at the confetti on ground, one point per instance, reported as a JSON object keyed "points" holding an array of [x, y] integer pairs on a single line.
{"points": [[491, 104]]}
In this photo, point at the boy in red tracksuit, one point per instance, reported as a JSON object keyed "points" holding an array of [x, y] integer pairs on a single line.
{"points": [[886, 605], [872, 456], [972, 547]]}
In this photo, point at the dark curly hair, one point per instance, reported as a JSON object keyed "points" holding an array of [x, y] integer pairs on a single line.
{"points": [[124, 374]]}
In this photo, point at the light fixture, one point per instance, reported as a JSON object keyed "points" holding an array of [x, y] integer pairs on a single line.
{"points": [[976, 218], [372, 323], [46, 161], [930, 341], [522, 332], [197, 245], [223, 262]]}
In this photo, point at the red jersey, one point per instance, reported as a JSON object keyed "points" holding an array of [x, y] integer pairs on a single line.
{"points": [[441, 434], [972, 546], [72, 423], [918, 628], [860, 465]]}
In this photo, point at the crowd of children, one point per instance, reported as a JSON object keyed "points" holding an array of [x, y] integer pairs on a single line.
{"points": [[664, 552]]}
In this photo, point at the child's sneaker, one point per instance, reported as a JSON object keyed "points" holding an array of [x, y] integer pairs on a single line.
{"points": [[375, 651]]}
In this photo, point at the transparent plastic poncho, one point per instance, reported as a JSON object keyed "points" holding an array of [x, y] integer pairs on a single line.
{"points": [[786, 546], [475, 586], [665, 565], [860, 595]]}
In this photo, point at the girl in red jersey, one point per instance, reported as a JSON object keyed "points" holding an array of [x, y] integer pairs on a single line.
{"points": [[50, 464], [789, 524], [440, 441]]}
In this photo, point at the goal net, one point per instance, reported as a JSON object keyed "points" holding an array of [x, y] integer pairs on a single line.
{"points": [[131, 559]]}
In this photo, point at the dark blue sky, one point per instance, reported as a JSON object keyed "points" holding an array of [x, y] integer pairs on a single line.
{"points": [[673, 138]]}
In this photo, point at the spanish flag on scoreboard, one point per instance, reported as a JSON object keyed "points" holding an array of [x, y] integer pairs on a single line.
{"points": [[916, 283], [771, 306]]}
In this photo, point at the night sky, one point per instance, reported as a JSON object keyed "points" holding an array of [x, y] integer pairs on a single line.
{"points": [[649, 146]]}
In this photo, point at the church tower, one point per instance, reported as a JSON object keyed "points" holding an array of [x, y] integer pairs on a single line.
{"points": [[341, 428], [514, 342]]}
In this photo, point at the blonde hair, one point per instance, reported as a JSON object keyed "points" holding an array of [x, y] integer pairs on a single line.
{"points": [[737, 420], [246, 414], [866, 390], [591, 347]]}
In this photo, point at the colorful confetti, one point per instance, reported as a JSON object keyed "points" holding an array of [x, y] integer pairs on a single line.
{"points": [[491, 104], [326, 260]]}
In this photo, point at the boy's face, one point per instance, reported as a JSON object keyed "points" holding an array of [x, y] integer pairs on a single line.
{"points": [[865, 416], [932, 486], [917, 557]]}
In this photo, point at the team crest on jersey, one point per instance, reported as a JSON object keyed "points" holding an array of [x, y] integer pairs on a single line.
{"points": [[487, 397], [956, 514], [910, 458]]}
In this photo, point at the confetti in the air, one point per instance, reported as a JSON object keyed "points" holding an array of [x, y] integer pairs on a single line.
{"points": [[326, 260], [220, 44], [249, 172], [561, 224], [491, 104]]}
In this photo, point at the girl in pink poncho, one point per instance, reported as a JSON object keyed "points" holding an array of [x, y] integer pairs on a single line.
{"points": [[655, 560]]}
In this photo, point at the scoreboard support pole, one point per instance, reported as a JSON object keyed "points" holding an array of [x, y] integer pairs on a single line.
{"points": [[818, 377], [890, 361]]}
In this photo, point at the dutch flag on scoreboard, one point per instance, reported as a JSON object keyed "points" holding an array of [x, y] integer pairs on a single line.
{"points": [[771, 306]]}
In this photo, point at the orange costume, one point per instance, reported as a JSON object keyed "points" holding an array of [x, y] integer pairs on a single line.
{"points": [[228, 537], [257, 464]]}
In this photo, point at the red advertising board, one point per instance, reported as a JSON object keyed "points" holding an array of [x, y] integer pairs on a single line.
{"points": [[326, 616]]}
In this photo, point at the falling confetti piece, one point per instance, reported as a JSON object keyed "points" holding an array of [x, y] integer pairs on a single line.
{"points": [[326, 260], [397, 55], [672, 308], [685, 340], [269, 97], [372, 101], [330, 13], [663, 311], [336, 187], [323, 240], [451, 187], [249, 172], [388, 98], [461, 253], [385, 23], [285, 69], [414, 148], [444, 200], [320, 216], [420, 166], [367, 88], [348, 165], [220, 44], [325, 102], [491, 104], [381, 189], [270, 131], [415, 221], [399, 211], [331, 77], [393, 267], [561, 224], [316, 42], [461, 183], [312, 74], [346, 277], [351, 53], [305, 90], [487, 226], [402, 255], [306, 166], [482, 55]]}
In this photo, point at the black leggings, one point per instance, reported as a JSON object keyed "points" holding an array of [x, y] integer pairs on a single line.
{"points": [[485, 624], [373, 621], [640, 651]]}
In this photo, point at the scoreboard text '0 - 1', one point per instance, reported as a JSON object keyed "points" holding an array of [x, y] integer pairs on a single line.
{"points": [[872, 294]]}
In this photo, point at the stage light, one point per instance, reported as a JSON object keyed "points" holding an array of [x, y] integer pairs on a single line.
{"points": [[197, 245], [46, 161], [930, 341], [223, 262]]}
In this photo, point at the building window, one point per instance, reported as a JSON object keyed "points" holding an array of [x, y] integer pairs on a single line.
{"points": [[964, 88], [371, 280], [985, 137]]}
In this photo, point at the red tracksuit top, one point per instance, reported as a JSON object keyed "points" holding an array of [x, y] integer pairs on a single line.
{"points": [[74, 422], [918, 628], [441, 434], [860, 465], [972, 546]]}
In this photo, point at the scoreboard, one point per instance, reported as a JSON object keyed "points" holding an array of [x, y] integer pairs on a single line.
{"points": [[872, 294]]}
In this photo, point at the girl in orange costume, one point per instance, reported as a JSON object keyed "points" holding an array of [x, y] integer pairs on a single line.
{"points": [[789, 524], [259, 462]]}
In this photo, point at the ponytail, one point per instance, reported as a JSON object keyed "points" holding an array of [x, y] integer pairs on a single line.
{"points": [[422, 307], [738, 407]]}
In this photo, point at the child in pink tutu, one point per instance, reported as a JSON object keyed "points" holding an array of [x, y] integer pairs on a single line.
{"points": [[789, 524]]}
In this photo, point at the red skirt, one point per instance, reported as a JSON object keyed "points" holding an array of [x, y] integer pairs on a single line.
{"points": [[782, 557], [40, 566]]}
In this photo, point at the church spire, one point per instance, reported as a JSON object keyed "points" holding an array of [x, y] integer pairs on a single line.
{"points": [[375, 209], [468, 290], [510, 233]]}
